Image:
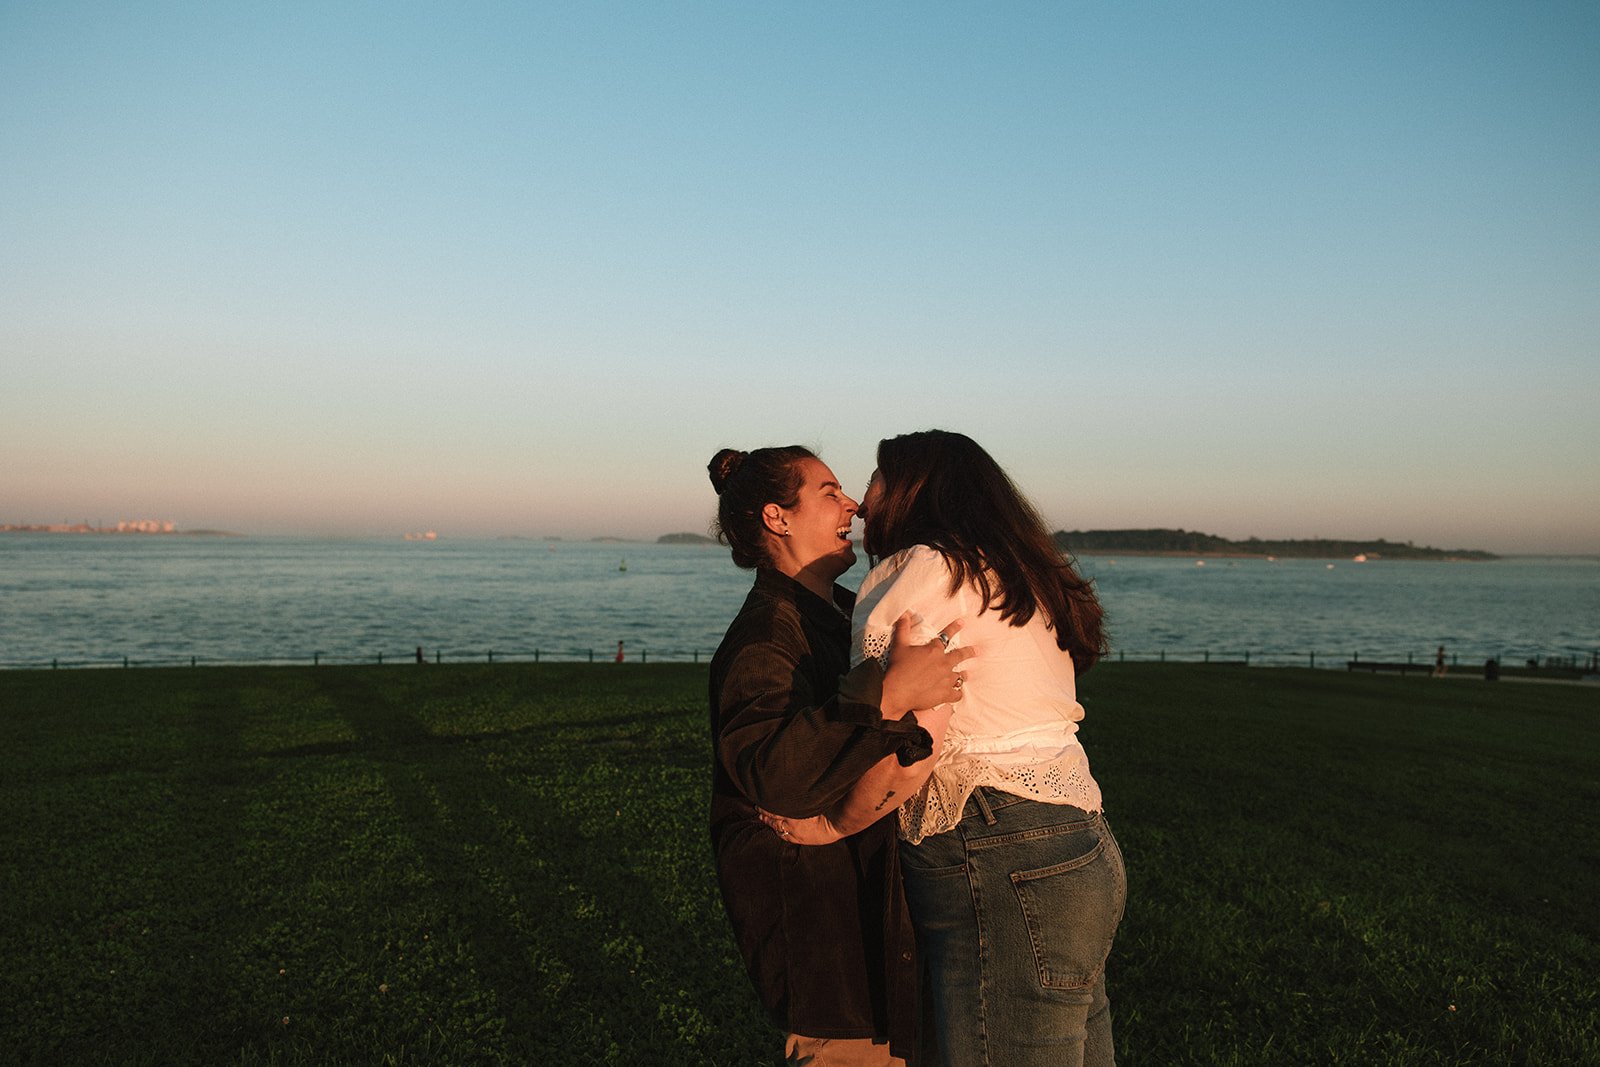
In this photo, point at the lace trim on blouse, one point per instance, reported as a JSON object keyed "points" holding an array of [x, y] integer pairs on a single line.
{"points": [[1063, 779], [876, 646]]}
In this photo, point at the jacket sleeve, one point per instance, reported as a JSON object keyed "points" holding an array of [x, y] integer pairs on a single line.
{"points": [[790, 749]]}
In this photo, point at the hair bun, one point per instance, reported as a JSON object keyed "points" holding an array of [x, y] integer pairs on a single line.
{"points": [[724, 465]]}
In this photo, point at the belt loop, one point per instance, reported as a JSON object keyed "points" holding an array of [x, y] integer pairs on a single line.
{"points": [[983, 806]]}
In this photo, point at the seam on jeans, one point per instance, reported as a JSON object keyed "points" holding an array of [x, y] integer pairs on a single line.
{"points": [[1034, 834], [1018, 877], [1122, 874], [907, 869], [984, 968]]}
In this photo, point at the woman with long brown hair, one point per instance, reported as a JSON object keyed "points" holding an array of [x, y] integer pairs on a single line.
{"points": [[823, 931], [1014, 880]]}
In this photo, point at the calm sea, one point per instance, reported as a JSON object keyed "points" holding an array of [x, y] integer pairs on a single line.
{"points": [[160, 600]]}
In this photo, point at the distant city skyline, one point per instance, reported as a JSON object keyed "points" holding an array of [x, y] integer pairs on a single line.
{"points": [[1285, 271]]}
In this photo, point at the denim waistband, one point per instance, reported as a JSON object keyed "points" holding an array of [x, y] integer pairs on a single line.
{"points": [[986, 800]]}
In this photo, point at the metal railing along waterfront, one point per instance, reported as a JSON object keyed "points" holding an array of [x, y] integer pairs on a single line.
{"points": [[1565, 659], [380, 657]]}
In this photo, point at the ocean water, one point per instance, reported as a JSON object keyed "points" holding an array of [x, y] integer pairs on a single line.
{"points": [[89, 600]]}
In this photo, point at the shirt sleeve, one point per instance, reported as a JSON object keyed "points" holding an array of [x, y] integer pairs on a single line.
{"points": [[916, 581], [788, 748]]}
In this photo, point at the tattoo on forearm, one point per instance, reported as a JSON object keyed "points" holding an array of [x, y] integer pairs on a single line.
{"points": [[884, 801]]}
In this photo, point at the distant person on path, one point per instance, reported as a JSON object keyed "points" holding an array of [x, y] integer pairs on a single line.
{"points": [[1014, 880], [1438, 663], [619, 651], [823, 931]]}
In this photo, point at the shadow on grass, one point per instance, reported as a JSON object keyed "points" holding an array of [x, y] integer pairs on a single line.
{"points": [[396, 735], [567, 930], [1322, 868]]}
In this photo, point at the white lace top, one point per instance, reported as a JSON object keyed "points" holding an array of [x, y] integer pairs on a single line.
{"points": [[1016, 730]]}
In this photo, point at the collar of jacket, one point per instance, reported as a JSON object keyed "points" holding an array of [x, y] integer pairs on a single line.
{"points": [[777, 584]]}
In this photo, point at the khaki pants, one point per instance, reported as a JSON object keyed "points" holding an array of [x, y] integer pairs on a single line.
{"points": [[837, 1052]]}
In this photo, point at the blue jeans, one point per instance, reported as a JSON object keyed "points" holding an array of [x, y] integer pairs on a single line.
{"points": [[1015, 909]]}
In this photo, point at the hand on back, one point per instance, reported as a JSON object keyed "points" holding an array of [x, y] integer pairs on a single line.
{"points": [[921, 675]]}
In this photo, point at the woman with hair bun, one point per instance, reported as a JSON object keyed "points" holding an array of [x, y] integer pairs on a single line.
{"points": [[823, 931]]}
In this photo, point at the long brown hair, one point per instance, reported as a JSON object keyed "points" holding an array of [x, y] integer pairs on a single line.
{"points": [[942, 490], [745, 483]]}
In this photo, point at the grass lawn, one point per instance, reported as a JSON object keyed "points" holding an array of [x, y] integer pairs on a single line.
{"points": [[507, 864]]}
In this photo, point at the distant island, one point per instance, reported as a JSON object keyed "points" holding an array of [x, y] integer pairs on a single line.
{"points": [[685, 539], [134, 527], [1161, 542]]}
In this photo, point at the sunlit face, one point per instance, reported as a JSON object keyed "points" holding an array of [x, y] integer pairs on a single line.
{"points": [[819, 523]]}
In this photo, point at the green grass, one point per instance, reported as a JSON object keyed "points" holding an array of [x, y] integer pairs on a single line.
{"points": [[506, 864]]}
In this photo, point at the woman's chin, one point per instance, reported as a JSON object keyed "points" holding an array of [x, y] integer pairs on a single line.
{"points": [[839, 560]]}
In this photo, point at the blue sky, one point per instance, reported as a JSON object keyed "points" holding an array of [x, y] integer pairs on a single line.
{"points": [[1286, 270]]}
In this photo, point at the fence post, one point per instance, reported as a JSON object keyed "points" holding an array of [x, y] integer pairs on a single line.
{"points": [[1122, 656], [697, 655], [1207, 655], [191, 661], [316, 658], [438, 657], [1313, 659], [53, 663], [1163, 655], [1247, 657], [644, 655], [491, 655], [536, 655], [124, 662], [591, 655]]}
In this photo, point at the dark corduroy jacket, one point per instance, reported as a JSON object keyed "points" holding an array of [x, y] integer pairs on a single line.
{"points": [[823, 929]]}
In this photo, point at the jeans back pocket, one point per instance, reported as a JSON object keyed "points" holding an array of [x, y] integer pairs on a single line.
{"points": [[1071, 910]]}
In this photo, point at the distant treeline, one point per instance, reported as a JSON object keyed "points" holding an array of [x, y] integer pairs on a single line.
{"points": [[684, 539], [1194, 543]]}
